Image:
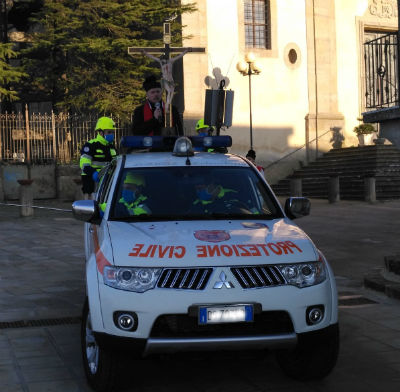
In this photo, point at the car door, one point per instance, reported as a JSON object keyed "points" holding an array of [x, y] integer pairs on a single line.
{"points": [[106, 175]]}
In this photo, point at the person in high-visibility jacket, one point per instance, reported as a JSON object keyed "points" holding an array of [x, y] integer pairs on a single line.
{"points": [[132, 201], [203, 130], [96, 153], [212, 197]]}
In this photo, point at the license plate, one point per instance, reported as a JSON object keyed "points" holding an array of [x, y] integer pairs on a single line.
{"points": [[225, 314]]}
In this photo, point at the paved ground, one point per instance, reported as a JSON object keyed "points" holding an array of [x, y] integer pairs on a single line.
{"points": [[41, 278], [42, 264], [354, 236]]}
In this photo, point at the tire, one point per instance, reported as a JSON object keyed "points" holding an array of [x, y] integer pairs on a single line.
{"points": [[313, 358], [100, 365]]}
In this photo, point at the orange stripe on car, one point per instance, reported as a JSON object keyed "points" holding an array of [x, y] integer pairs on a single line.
{"points": [[101, 260]]}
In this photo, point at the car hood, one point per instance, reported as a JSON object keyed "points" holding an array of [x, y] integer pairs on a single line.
{"points": [[209, 243]]}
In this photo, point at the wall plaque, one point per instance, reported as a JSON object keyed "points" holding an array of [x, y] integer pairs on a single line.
{"points": [[383, 8]]}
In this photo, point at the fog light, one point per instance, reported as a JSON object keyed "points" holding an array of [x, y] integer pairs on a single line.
{"points": [[126, 321], [314, 314]]}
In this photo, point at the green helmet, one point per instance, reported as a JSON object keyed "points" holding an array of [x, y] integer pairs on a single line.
{"points": [[135, 179], [105, 123], [200, 125]]}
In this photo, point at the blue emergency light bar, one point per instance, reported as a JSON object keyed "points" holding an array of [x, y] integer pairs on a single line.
{"points": [[167, 143], [141, 142], [211, 141]]}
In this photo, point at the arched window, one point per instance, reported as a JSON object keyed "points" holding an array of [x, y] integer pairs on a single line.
{"points": [[257, 24]]}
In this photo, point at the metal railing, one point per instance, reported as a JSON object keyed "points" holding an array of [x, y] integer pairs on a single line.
{"points": [[332, 131], [381, 72], [46, 138]]}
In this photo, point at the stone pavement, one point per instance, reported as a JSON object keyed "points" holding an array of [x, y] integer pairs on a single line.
{"points": [[42, 290], [42, 264], [368, 233]]}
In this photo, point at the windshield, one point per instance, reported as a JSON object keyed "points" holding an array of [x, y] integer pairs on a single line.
{"points": [[188, 193]]}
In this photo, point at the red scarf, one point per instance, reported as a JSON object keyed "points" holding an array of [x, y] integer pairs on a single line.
{"points": [[148, 113]]}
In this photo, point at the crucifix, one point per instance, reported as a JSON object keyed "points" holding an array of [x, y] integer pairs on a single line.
{"points": [[166, 63]]}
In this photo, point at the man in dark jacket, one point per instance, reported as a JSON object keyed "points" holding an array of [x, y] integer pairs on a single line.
{"points": [[149, 118]]}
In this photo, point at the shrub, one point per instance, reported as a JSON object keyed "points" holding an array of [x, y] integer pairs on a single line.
{"points": [[364, 129]]}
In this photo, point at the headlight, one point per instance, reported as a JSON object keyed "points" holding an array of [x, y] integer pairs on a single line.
{"points": [[304, 274], [131, 279]]}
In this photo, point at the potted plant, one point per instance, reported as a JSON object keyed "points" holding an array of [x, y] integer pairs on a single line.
{"points": [[365, 133]]}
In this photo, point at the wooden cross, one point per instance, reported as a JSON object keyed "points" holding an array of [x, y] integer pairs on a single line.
{"points": [[165, 61], [166, 50]]}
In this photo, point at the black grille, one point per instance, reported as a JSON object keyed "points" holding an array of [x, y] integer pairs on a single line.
{"points": [[251, 277], [182, 325], [184, 278]]}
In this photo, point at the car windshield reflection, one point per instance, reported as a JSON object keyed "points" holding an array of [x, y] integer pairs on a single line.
{"points": [[192, 193]]}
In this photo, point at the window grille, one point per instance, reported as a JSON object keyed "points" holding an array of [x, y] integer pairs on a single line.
{"points": [[257, 24], [381, 76]]}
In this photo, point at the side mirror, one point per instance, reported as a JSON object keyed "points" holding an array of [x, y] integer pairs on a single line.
{"points": [[86, 210], [297, 207]]}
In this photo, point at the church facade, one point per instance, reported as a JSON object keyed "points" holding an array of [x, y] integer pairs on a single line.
{"points": [[310, 92]]}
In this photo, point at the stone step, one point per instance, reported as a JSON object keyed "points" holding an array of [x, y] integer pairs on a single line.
{"points": [[344, 185], [352, 165], [376, 281], [354, 158], [359, 161], [386, 279], [392, 264], [375, 159], [349, 172], [349, 189], [347, 180], [367, 154], [362, 150]]}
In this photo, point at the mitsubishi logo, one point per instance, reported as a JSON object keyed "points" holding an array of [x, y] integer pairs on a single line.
{"points": [[223, 282]]}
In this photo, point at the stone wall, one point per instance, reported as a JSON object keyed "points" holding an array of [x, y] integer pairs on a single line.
{"points": [[67, 189], [49, 181]]}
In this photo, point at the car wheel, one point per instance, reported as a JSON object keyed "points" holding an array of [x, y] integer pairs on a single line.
{"points": [[313, 358], [100, 365]]}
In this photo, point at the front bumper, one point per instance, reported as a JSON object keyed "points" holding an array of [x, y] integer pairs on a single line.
{"points": [[160, 345], [145, 347], [149, 306]]}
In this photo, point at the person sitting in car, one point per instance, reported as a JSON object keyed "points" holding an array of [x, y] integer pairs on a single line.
{"points": [[212, 198], [132, 201]]}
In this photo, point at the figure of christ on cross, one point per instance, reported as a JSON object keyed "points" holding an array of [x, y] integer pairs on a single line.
{"points": [[167, 80]]}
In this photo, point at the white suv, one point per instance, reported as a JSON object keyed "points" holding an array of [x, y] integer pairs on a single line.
{"points": [[191, 251]]}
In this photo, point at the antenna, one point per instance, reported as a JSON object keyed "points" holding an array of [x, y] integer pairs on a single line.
{"points": [[188, 163]]}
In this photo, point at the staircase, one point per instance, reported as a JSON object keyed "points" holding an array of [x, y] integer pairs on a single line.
{"points": [[351, 165], [385, 279]]}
